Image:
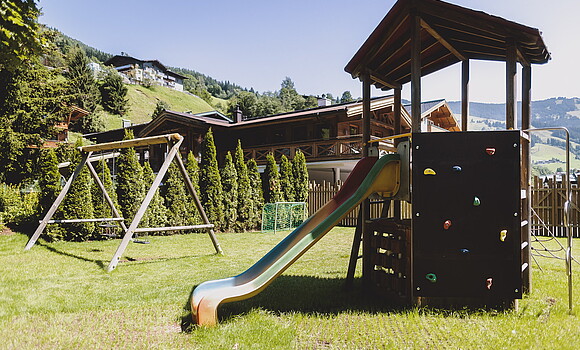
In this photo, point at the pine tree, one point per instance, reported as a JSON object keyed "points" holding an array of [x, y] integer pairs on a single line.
{"points": [[114, 93], [272, 191], [256, 194], [244, 190], [192, 167], [230, 196], [78, 204], [156, 214], [210, 185], [286, 179], [300, 177], [177, 201], [49, 179], [130, 187]]}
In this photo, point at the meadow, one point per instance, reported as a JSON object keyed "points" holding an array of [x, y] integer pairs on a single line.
{"points": [[59, 296]]}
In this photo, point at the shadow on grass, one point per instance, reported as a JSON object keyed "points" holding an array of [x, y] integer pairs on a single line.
{"points": [[100, 263], [307, 295]]}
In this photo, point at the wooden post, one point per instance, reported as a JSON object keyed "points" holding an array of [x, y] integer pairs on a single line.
{"points": [[415, 73], [398, 131], [367, 267], [464, 95], [510, 87], [526, 204]]}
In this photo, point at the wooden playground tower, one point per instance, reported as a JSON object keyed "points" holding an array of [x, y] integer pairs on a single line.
{"points": [[416, 38], [174, 142]]}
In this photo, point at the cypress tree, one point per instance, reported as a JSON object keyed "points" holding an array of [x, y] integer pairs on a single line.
{"points": [[244, 190], [192, 167], [176, 199], [78, 204], [100, 206], [210, 185], [114, 93], [156, 214], [49, 179], [256, 194], [286, 179], [230, 197], [272, 192], [300, 177], [130, 187]]}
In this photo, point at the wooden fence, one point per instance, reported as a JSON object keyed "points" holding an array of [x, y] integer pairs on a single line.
{"points": [[548, 199]]}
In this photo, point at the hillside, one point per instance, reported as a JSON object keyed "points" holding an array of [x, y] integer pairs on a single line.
{"points": [[143, 100]]}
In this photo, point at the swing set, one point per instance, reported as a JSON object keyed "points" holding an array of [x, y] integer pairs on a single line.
{"points": [[174, 142]]}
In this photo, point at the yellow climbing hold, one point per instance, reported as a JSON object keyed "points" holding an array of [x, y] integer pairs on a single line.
{"points": [[429, 171], [503, 235]]}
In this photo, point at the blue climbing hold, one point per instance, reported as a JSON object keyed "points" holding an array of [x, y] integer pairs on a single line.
{"points": [[457, 168]]}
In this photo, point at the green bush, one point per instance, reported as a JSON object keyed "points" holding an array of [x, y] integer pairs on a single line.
{"points": [[17, 208]]}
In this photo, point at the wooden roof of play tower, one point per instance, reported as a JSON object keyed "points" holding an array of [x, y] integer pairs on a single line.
{"points": [[449, 34]]}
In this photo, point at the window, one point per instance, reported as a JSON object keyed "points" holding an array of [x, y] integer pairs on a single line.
{"points": [[323, 131], [353, 130]]}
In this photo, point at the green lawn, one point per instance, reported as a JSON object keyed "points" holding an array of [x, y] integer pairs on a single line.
{"points": [[58, 296]]}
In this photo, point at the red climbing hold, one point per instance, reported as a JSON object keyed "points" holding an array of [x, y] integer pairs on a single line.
{"points": [[447, 224], [490, 151], [488, 283]]}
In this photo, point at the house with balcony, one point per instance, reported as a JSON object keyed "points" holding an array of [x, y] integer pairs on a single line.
{"points": [[330, 136], [137, 71]]}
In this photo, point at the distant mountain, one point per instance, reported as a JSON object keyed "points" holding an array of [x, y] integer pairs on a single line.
{"points": [[557, 111]]}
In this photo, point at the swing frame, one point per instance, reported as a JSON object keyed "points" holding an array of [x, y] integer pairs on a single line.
{"points": [[174, 141]]}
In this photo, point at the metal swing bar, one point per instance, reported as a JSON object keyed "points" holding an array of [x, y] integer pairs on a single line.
{"points": [[175, 140]]}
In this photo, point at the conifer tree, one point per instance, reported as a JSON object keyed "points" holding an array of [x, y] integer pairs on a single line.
{"points": [[130, 187], [177, 201], [300, 177], [49, 179], [210, 185], [78, 204], [244, 190], [100, 205], [114, 93], [230, 196], [272, 191], [257, 197], [286, 179], [156, 214], [192, 167]]}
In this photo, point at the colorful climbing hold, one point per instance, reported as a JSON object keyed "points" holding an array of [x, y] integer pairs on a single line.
{"points": [[490, 151], [429, 171], [488, 283], [457, 168], [431, 277], [447, 224], [503, 235], [476, 201], [464, 251]]}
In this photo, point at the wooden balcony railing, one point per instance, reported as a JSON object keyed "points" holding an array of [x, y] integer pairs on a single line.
{"points": [[319, 150]]}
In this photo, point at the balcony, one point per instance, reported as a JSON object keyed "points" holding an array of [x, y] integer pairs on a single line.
{"points": [[340, 148]]}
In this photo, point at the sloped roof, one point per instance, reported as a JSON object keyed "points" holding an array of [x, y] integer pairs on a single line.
{"points": [[449, 34], [121, 60]]}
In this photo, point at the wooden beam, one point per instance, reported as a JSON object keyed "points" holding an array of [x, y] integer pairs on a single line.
{"points": [[366, 115], [442, 40], [384, 82], [511, 74], [415, 73], [464, 95], [145, 141], [526, 185]]}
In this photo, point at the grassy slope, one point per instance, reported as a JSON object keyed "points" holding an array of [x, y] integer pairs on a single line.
{"points": [[142, 102], [58, 296]]}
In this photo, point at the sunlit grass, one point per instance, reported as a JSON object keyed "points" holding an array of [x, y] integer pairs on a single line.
{"points": [[58, 296]]}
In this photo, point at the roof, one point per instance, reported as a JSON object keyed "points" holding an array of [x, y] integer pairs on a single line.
{"points": [[449, 34], [120, 61]]}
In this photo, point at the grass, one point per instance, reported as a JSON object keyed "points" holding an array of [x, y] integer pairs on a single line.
{"points": [[142, 103], [58, 296]]}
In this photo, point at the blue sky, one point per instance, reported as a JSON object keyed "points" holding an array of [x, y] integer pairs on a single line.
{"points": [[256, 43]]}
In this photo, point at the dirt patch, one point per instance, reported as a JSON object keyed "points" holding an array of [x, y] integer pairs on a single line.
{"points": [[5, 231]]}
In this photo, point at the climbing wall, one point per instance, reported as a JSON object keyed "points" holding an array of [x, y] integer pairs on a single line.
{"points": [[466, 214]]}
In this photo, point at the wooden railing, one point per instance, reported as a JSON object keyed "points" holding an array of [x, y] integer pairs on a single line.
{"points": [[548, 199], [339, 148]]}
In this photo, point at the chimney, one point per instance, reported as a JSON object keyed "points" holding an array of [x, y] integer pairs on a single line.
{"points": [[238, 114], [323, 101]]}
